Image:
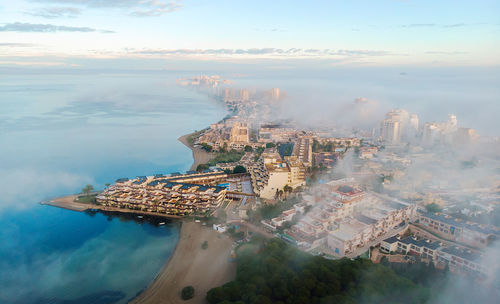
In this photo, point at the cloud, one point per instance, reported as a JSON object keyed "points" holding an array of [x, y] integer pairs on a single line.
{"points": [[15, 44], [262, 51], [446, 52], [419, 25], [46, 28], [269, 30], [453, 25], [56, 12], [24, 186], [37, 63], [157, 8], [138, 8]]}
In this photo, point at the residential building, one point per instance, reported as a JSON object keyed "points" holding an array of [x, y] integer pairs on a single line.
{"points": [[467, 233], [302, 149], [177, 194], [271, 174]]}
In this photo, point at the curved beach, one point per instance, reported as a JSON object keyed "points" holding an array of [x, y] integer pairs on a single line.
{"points": [[200, 156], [191, 265]]}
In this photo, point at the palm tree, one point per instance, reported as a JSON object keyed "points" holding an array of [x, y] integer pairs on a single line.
{"points": [[87, 189], [287, 189]]}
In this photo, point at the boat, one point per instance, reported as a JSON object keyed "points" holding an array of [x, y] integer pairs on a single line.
{"points": [[139, 216], [162, 223]]}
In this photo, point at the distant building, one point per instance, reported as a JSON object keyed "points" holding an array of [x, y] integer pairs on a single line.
{"points": [[391, 131], [448, 133], [414, 123], [465, 137], [303, 150], [275, 93], [367, 152], [398, 125], [239, 133]]}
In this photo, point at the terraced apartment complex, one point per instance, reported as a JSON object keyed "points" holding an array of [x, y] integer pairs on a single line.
{"points": [[176, 194]]}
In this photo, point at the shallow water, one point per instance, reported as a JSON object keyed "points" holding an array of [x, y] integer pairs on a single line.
{"points": [[60, 132]]}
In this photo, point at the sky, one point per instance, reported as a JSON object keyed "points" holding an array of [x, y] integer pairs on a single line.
{"points": [[353, 33]]}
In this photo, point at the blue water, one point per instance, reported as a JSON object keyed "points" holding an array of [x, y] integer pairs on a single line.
{"points": [[51, 254], [59, 132]]}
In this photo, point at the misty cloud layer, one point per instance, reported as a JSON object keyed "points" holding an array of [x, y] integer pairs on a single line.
{"points": [[137, 8], [46, 28]]}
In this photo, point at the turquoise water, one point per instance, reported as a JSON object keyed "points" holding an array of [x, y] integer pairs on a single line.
{"points": [[59, 132], [50, 255]]}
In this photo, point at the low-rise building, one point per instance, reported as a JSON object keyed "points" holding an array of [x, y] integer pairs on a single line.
{"points": [[177, 194], [412, 245], [468, 233], [367, 152], [345, 218], [464, 260], [325, 159]]}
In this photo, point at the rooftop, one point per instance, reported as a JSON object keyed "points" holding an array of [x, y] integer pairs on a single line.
{"points": [[464, 254], [458, 223]]}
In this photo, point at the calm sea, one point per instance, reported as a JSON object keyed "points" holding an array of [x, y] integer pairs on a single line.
{"points": [[59, 132]]}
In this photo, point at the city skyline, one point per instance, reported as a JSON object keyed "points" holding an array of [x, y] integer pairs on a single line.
{"points": [[362, 33]]}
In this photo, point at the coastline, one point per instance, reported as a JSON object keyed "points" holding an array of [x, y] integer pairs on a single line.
{"points": [[188, 258], [191, 265], [68, 202], [200, 156]]}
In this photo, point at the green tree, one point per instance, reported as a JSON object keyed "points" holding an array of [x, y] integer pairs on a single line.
{"points": [[202, 167], [187, 293], [239, 169], [270, 145], [206, 147], [433, 207], [87, 189], [248, 149], [287, 189]]}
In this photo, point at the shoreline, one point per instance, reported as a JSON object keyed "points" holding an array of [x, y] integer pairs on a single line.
{"points": [[189, 264], [183, 267], [68, 203], [200, 156]]}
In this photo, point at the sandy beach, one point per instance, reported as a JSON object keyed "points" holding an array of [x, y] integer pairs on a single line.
{"points": [[191, 265], [200, 156], [67, 202]]}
